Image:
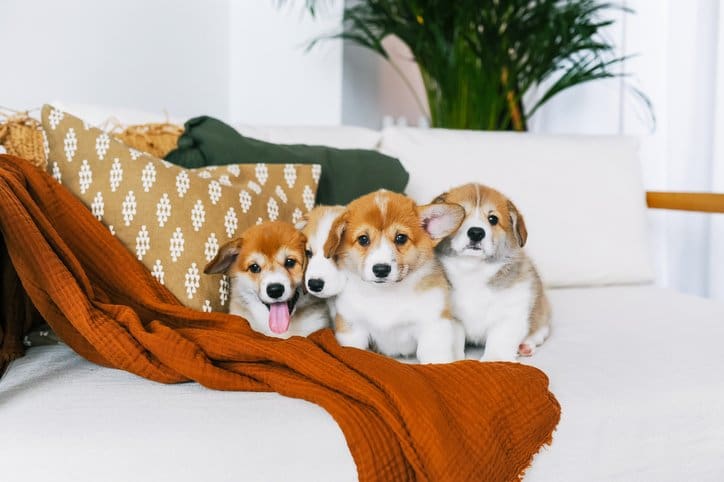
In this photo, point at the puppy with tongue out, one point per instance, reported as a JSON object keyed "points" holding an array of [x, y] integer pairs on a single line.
{"points": [[265, 267]]}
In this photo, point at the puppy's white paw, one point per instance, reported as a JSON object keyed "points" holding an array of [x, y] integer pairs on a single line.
{"points": [[353, 339], [526, 349]]}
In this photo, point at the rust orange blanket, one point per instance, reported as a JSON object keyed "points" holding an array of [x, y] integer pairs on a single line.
{"points": [[466, 421]]}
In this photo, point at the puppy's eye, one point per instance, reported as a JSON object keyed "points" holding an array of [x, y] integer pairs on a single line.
{"points": [[363, 240], [401, 239], [254, 268], [493, 219], [290, 263], [308, 252]]}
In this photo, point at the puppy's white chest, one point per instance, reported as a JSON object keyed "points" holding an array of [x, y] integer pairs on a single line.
{"points": [[385, 306], [478, 305], [391, 313]]}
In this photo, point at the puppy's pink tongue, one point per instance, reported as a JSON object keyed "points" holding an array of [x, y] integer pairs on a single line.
{"points": [[279, 317]]}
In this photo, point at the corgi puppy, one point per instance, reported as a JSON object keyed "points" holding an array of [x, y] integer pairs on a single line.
{"points": [[322, 277], [496, 291], [266, 269], [396, 297]]}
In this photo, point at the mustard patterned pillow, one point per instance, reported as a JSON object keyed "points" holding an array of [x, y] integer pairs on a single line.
{"points": [[173, 219]]}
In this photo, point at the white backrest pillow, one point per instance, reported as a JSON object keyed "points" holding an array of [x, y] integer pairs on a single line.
{"points": [[581, 196]]}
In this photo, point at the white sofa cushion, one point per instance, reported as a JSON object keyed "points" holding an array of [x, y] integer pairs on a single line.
{"points": [[97, 114], [581, 196], [341, 137]]}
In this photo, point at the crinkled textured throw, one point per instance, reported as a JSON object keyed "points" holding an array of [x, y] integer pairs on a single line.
{"points": [[466, 421]]}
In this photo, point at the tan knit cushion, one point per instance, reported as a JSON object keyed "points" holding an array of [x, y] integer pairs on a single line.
{"points": [[173, 219], [22, 136]]}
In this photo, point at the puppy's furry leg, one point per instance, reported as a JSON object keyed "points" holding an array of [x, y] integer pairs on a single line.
{"points": [[533, 341], [459, 340], [350, 335], [441, 342], [503, 340]]}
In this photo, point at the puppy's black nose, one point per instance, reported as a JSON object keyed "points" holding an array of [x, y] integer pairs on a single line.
{"points": [[275, 290], [381, 270], [476, 234], [315, 284]]}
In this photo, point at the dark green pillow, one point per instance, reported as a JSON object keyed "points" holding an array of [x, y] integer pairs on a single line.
{"points": [[346, 173]]}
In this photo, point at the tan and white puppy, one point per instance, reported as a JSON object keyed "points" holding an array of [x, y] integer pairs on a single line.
{"points": [[396, 297], [322, 277], [266, 269], [496, 290]]}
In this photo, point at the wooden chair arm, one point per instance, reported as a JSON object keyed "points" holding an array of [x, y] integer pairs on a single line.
{"points": [[686, 201]]}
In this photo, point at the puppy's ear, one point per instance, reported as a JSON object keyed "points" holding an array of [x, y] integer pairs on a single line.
{"points": [[442, 198], [303, 248], [518, 224], [336, 232], [224, 258], [441, 220], [302, 223]]}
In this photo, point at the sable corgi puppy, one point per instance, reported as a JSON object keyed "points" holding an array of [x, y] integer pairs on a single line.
{"points": [[396, 296], [322, 277], [266, 269], [496, 290]]}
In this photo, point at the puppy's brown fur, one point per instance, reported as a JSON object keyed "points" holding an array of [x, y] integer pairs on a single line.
{"points": [[268, 254]]}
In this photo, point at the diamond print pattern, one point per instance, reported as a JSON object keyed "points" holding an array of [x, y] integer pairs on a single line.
{"points": [[103, 141], [172, 219], [116, 175], [198, 215], [163, 210], [231, 222], [70, 144], [143, 242], [148, 176], [85, 177], [211, 247], [192, 282], [129, 208]]}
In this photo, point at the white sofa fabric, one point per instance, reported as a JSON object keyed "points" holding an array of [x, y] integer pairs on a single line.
{"points": [[581, 196], [637, 371], [341, 137]]}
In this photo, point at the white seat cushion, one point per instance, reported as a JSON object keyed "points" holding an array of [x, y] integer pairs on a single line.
{"points": [[639, 373], [66, 419], [637, 370], [581, 196]]}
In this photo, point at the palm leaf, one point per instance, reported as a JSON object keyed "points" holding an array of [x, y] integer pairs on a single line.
{"points": [[479, 58]]}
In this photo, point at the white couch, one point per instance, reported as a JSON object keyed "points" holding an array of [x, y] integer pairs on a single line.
{"points": [[638, 370]]}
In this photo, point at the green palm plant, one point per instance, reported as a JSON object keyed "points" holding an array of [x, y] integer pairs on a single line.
{"points": [[480, 58]]}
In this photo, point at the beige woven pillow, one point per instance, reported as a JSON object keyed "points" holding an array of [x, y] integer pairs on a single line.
{"points": [[173, 219]]}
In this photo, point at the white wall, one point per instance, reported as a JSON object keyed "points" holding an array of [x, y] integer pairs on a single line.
{"points": [[716, 228], [152, 55], [274, 80], [677, 66], [240, 60], [372, 89]]}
